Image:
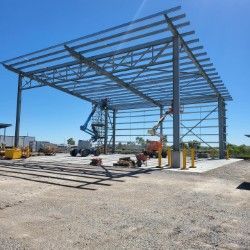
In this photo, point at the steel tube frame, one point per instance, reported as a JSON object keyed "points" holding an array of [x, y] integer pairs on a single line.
{"points": [[18, 110], [144, 73], [112, 77], [161, 125], [176, 103], [114, 131], [106, 125], [222, 128]]}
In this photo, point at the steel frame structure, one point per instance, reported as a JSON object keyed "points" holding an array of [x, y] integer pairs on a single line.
{"points": [[150, 62], [197, 122]]}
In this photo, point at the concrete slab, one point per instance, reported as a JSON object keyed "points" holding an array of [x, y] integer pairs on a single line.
{"points": [[202, 165], [205, 165]]}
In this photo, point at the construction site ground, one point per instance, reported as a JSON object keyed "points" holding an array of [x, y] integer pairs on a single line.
{"points": [[60, 202]]}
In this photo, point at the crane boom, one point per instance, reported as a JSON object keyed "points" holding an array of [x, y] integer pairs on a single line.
{"points": [[153, 131]]}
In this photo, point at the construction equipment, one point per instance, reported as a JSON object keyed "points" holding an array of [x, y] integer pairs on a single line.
{"points": [[95, 130], [26, 152], [85, 148], [2, 150], [141, 159], [13, 153], [154, 147], [153, 131], [48, 150], [17, 153], [97, 125]]}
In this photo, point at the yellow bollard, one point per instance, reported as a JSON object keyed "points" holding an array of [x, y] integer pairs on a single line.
{"points": [[227, 156], [160, 158], [169, 157], [184, 160], [192, 158]]}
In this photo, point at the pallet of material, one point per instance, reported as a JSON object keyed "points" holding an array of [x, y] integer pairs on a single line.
{"points": [[125, 162]]}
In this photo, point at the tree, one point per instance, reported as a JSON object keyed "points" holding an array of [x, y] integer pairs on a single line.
{"points": [[140, 141], [164, 140], [195, 144], [183, 145], [71, 141]]}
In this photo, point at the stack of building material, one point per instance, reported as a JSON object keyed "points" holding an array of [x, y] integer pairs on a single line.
{"points": [[125, 162], [96, 162]]}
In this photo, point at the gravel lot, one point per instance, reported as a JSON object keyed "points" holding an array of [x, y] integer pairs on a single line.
{"points": [[67, 206]]}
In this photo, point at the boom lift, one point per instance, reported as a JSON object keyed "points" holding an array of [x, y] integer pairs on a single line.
{"points": [[96, 131], [153, 147], [153, 131]]}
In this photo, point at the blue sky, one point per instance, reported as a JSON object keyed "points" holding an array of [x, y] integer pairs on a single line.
{"points": [[221, 25]]}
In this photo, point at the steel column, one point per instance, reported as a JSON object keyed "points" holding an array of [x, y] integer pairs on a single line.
{"points": [[176, 104], [222, 127], [106, 112], [18, 109], [114, 131], [4, 135], [161, 125]]}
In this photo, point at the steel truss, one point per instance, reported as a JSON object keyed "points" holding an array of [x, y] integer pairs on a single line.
{"points": [[150, 62]]}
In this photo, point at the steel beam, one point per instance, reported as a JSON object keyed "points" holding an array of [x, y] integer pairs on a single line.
{"points": [[96, 34], [161, 125], [189, 52], [106, 125], [45, 83], [114, 130], [113, 78], [176, 104], [18, 110], [222, 128]]}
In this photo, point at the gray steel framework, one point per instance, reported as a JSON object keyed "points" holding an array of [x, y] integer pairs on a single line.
{"points": [[197, 122], [149, 62]]}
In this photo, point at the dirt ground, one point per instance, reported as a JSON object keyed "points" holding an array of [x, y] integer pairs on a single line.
{"points": [[57, 205]]}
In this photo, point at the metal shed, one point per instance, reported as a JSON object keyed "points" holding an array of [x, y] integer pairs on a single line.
{"points": [[148, 63]]}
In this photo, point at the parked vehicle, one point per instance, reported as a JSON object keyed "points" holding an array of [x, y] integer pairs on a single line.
{"points": [[84, 148]]}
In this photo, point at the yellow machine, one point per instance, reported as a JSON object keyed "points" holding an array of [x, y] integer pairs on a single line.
{"points": [[13, 153], [17, 153]]}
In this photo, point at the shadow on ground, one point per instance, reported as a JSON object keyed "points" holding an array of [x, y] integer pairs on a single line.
{"points": [[68, 175]]}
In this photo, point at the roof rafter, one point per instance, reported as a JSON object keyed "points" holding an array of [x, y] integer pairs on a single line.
{"points": [[190, 53], [35, 78], [131, 64], [112, 77]]}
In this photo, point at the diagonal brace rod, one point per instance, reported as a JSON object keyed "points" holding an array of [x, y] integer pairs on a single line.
{"points": [[199, 122]]}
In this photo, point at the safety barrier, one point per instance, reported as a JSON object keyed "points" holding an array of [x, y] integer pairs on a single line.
{"points": [[184, 158], [192, 158], [160, 158], [169, 157]]}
